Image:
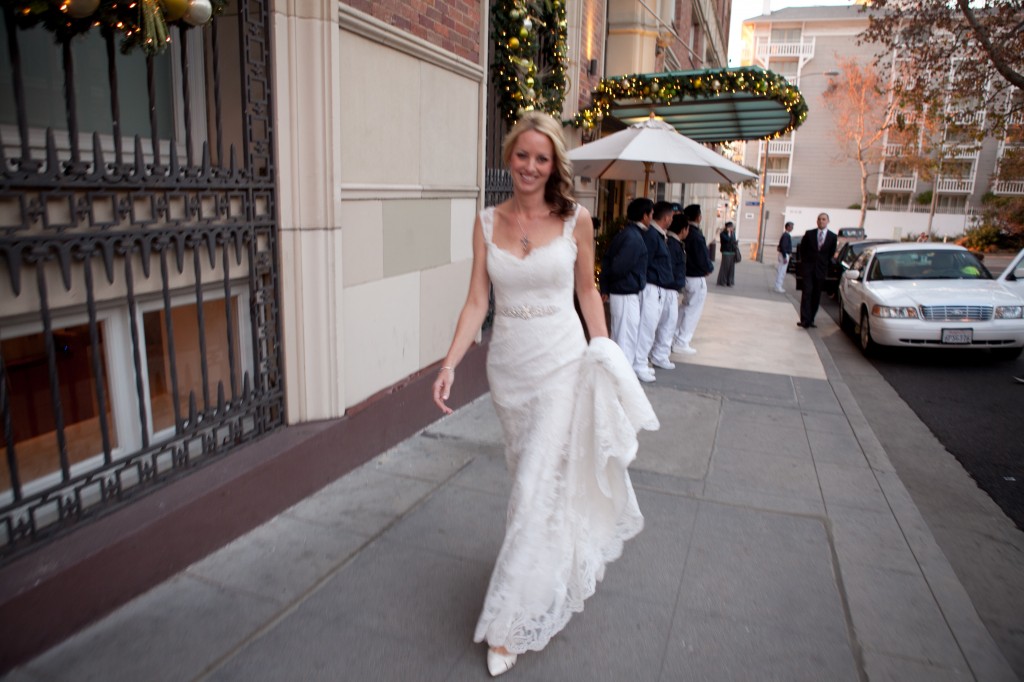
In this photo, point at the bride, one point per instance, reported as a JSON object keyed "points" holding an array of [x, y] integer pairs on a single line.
{"points": [[569, 412]]}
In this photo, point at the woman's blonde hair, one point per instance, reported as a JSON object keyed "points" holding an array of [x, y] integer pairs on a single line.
{"points": [[558, 190]]}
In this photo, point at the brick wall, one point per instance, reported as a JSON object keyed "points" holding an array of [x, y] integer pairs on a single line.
{"points": [[453, 25]]}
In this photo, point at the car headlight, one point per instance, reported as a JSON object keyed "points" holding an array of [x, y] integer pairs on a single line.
{"points": [[1009, 312], [899, 312]]}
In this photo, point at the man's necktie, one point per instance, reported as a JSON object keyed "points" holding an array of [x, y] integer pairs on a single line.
{"points": [[821, 238]]}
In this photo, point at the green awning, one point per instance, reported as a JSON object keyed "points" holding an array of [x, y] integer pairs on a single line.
{"points": [[707, 105]]}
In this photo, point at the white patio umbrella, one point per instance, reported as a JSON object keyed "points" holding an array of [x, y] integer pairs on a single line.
{"points": [[654, 150]]}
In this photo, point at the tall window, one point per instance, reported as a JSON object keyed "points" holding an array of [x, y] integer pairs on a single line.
{"points": [[99, 410], [787, 35], [44, 85]]}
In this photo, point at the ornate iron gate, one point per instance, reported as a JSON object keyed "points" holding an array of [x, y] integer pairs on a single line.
{"points": [[139, 315]]}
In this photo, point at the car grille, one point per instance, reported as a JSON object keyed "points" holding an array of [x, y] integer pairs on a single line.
{"points": [[956, 313]]}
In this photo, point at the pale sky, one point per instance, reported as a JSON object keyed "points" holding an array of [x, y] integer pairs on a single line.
{"points": [[746, 9]]}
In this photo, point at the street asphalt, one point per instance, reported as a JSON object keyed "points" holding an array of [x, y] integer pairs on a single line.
{"points": [[780, 544]]}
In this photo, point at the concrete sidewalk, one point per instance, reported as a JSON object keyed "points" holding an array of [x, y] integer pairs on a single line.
{"points": [[779, 545]]}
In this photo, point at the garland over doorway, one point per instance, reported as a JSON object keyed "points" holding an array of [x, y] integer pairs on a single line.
{"points": [[709, 105]]}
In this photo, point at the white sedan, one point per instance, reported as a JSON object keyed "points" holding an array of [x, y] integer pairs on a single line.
{"points": [[933, 296]]}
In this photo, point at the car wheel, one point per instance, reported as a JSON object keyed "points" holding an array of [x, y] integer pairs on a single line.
{"points": [[1006, 353], [867, 345]]}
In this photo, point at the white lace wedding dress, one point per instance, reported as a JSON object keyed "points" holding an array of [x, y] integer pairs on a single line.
{"points": [[570, 414]]}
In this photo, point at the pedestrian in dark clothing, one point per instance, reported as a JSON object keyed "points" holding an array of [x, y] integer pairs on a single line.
{"points": [[727, 273], [785, 249]]}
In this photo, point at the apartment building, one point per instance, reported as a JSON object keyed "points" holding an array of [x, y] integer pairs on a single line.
{"points": [[805, 172]]}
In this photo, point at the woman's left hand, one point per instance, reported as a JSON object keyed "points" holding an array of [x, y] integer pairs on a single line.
{"points": [[443, 388]]}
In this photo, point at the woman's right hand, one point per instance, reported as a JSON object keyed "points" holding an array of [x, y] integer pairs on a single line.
{"points": [[443, 388]]}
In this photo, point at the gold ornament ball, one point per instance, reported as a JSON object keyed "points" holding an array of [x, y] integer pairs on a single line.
{"points": [[199, 12], [174, 9], [529, 81], [80, 9], [513, 43], [523, 33]]}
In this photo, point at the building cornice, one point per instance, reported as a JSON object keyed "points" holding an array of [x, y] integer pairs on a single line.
{"points": [[368, 27]]}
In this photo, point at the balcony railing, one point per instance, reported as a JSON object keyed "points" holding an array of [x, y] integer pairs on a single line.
{"points": [[782, 147], [1004, 146], [967, 118], [802, 49], [894, 150], [890, 183], [960, 151], [1008, 187], [955, 185], [777, 179]]}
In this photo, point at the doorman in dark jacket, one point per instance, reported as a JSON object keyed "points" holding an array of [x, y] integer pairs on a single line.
{"points": [[624, 276], [657, 300], [698, 267]]}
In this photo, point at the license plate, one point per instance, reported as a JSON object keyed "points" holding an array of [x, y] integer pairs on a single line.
{"points": [[960, 336]]}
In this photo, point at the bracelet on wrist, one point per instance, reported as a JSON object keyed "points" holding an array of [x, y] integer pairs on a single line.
{"points": [[447, 367]]}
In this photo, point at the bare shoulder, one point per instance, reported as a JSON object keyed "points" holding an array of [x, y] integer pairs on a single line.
{"points": [[583, 218]]}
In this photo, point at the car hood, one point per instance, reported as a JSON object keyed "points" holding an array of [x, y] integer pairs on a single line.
{"points": [[943, 292]]}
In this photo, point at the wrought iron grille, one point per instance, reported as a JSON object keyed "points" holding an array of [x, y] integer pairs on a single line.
{"points": [[497, 186], [139, 297]]}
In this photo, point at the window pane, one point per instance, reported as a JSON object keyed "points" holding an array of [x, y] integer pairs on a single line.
{"points": [[31, 405], [188, 359], [43, 77]]}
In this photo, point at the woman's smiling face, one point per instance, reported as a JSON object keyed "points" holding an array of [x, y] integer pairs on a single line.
{"points": [[532, 161]]}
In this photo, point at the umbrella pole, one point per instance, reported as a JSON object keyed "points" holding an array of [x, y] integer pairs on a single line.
{"points": [[647, 175]]}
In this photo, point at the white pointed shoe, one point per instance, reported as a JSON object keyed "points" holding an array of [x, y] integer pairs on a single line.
{"points": [[498, 663]]}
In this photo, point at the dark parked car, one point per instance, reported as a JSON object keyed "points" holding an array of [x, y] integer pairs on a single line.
{"points": [[845, 257], [849, 234]]}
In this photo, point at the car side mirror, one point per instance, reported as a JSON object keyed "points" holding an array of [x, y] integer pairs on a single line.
{"points": [[851, 274]]}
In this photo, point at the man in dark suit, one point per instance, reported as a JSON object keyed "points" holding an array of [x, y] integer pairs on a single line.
{"points": [[817, 249]]}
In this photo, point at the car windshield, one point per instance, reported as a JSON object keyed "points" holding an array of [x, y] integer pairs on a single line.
{"points": [[926, 264]]}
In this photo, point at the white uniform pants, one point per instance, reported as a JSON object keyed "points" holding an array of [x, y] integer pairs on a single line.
{"points": [[780, 272], [658, 312], [691, 309], [625, 319]]}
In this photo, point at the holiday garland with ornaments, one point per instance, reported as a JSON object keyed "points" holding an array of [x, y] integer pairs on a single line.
{"points": [[529, 56], [142, 23], [668, 88]]}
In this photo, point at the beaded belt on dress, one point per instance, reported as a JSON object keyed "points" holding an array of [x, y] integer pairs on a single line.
{"points": [[525, 312]]}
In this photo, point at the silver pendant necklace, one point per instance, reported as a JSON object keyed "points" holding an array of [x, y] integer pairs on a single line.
{"points": [[524, 239]]}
